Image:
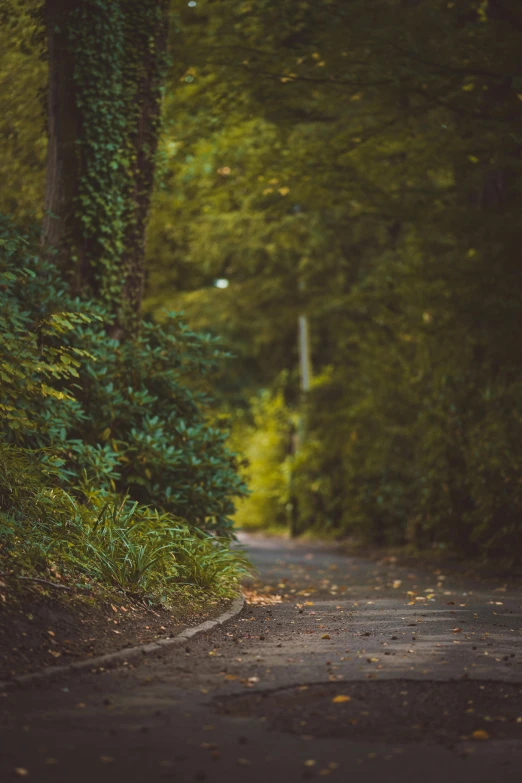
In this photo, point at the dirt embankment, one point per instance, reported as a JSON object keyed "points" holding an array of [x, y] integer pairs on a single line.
{"points": [[43, 626]]}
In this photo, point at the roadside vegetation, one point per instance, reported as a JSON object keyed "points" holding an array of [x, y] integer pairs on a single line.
{"points": [[357, 164], [113, 474]]}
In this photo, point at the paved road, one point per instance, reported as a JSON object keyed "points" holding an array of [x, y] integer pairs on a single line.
{"points": [[340, 668]]}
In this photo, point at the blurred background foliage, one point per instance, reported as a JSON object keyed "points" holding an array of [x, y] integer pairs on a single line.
{"points": [[359, 163]]}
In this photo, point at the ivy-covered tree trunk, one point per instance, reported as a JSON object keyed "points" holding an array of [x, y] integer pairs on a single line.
{"points": [[106, 65]]}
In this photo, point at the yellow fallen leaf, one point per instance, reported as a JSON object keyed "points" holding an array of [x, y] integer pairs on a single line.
{"points": [[480, 734], [310, 763], [341, 699], [457, 630], [325, 636], [21, 772]]}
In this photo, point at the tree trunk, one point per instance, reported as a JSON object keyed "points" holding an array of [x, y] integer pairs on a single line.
{"points": [[106, 64], [63, 168]]}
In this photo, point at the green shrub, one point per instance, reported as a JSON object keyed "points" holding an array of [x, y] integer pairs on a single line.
{"points": [[413, 434], [34, 361], [125, 417]]}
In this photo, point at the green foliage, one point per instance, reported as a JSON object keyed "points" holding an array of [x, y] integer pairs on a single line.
{"points": [[113, 543], [34, 360], [357, 162], [23, 141], [267, 443], [360, 164], [420, 447], [120, 416]]}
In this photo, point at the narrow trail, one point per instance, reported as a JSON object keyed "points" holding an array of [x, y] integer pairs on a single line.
{"points": [[338, 668]]}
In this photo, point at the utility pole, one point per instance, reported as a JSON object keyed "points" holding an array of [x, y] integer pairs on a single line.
{"points": [[305, 364], [305, 374]]}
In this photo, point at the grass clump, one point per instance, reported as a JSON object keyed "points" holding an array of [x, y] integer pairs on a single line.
{"points": [[113, 543]]}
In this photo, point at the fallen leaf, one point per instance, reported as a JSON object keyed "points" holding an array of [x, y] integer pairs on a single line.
{"points": [[310, 763], [21, 772], [326, 636], [341, 699], [457, 630], [480, 734], [106, 759]]}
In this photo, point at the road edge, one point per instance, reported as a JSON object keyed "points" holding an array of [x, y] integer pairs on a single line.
{"points": [[113, 659]]}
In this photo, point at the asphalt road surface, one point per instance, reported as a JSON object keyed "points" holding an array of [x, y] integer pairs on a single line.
{"points": [[338, 668]]}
